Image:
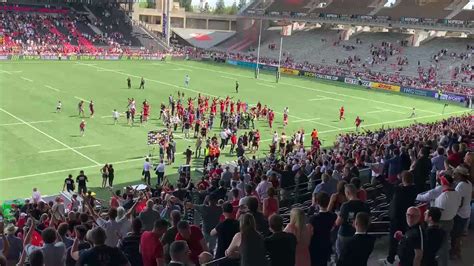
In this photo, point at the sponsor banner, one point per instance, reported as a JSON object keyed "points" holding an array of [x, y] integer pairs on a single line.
{"points": [[112, 57], [430, 20], [366, 17], [307, 74], [419, 92], [72, 57], [364, 83], [30, 57], [15, 57], [260, 12], [299, 14], [250, 12], [274, 13], [331, 15], [411, 20], [49, 57], [286, 13], [265, 67], [382, 17], [329, 77], [454, 22], [231, 62], [289, 71], [4, 57], [86, 57], [383, 86], [451, 97]]}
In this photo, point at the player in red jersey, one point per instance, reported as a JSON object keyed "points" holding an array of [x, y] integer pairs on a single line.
{"points": [[222, 105], [232, 107], [357, 122], [341, 113], [146, 111], [271, 116], [91, 108], [82, 127]]}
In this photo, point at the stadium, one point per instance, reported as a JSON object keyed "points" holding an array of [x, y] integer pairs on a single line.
{"points": [[258, 132]]}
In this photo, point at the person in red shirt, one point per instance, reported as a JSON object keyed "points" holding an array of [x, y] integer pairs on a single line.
{"points": [[341, 113], [357, 123], [314, 135], [82, 127], [193, 236], [454, 156], [233, 142], [271, 116], [150, 244]]}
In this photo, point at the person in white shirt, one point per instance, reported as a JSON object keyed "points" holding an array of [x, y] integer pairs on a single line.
{"points": [[464, 187], [275, 138], [160, 171], [115, 116], [262, 187], [36, 196], [449, 202]]}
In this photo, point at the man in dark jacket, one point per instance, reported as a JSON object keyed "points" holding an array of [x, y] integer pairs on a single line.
{"points": [[357, 250], [422, 169], [260, 221], [403, 197], [281, 246]]}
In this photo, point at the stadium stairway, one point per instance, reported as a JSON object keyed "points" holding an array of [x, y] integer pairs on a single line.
{"points": [[67, 45]]}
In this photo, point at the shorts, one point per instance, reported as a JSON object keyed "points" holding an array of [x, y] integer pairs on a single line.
{"points": [[458, 226]]}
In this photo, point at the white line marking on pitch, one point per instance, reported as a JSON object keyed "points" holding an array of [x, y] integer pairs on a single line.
{"points": [[49, 136], [32, 122], [79, 98], [225, 77], [108, 70], [27, 79], [263, 84], [6, 72], [65, 149], [52, 88]]}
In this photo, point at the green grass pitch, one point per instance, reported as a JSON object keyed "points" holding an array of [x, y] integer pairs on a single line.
{"points": [[40, 147]]}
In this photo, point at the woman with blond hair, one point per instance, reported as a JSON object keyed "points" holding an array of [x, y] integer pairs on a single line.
{"points": [[303, 233], [248, 244]]}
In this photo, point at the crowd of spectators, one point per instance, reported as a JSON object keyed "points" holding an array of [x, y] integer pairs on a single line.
{"points": [[425, 80], [236, 216]]}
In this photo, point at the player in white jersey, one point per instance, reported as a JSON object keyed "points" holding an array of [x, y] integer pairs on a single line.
{"points": [[275, 138], [115, 116], [186, 80], [413, 113], [58, 107]]}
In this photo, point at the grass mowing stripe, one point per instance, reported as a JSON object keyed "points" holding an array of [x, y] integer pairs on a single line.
{"points": [[49, 136]]}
